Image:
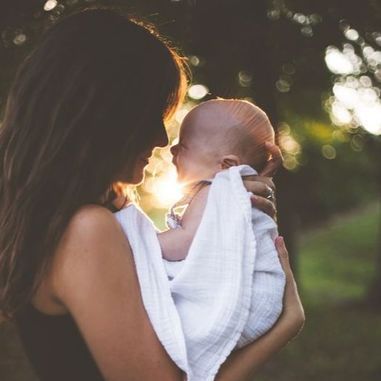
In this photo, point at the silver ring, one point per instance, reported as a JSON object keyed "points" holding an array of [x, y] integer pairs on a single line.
{"points": [[271, 195]]}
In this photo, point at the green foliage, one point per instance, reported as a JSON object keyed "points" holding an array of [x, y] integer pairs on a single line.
{"points": [[336, 169]]}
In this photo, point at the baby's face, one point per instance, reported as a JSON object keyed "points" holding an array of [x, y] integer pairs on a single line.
{"points": [[193, 154], [214, 133]]}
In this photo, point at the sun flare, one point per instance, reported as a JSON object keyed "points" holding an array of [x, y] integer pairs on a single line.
{"points": [[166, 190]]}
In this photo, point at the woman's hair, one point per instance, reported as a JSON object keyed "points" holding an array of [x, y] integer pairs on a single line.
{"points": [[88, 100]]}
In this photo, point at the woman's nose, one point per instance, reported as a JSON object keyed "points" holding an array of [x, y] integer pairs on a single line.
{"points": [[163, 138], [174, 149]]}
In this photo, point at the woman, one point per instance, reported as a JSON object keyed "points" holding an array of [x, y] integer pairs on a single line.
{"points": [[84, 113]]}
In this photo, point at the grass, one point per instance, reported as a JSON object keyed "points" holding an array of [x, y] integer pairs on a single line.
{"points": [[337, 261], [341, 338], [336, 344]]}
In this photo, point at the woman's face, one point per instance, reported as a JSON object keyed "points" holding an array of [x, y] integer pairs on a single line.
{"points": [[136, 176]]}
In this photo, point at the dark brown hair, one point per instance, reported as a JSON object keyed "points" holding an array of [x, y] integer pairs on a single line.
{"points": [[86, 102]]}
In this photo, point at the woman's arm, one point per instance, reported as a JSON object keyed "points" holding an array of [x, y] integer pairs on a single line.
{"points": [[244, 362], [93, 276]]}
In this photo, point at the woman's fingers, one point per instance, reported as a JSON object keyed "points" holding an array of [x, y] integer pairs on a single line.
{"points": [[283, 256], [264, 204], [263, 193], [259, 188], [275, 162]]}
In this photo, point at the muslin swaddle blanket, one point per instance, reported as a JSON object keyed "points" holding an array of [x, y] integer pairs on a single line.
{"points": [[229, 289]]}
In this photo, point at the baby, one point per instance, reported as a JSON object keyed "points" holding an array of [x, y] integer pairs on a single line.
{"points": [[213, 282], [214, 136]]}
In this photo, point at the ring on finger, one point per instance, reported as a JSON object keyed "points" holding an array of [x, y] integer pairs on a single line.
{"points": [[271, 195]]}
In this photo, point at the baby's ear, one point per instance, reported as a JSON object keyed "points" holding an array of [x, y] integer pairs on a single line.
{"points": [[228, 161]]}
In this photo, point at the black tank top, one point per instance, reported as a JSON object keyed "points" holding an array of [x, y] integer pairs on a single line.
{"points": [[55, 346]]}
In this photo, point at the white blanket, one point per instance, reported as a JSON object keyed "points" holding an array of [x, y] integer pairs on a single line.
{"points": [[229, 289]]}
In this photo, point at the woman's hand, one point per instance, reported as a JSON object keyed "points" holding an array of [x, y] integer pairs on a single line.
{"points": [[293, 312], [262, 186], [243, 363]]}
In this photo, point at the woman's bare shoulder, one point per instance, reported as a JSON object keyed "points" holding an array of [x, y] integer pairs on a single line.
{"points": [[90, 219], [92, 222], [91, 237]]}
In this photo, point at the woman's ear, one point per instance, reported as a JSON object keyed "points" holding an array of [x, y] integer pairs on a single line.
{"points": [[228, 161]]}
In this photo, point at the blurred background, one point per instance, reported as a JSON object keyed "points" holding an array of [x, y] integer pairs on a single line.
{"points": [[315, 68]]}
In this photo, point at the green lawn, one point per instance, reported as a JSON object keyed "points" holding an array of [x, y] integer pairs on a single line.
{"points": [[341, 339], [337, 261]]}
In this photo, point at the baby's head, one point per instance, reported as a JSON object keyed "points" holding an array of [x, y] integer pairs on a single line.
{"points": [[218, 134]]}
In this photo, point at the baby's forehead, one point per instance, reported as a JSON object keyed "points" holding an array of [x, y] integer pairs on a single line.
{"points": [[211, 109], [208, 115], [226, 114]]}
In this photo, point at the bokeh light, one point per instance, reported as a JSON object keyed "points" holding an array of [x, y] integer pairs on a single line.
{"points": [[245, 78], [340, 114], [356, 106], [290, 147], [369, 116], [306, 22], [328, 151], [351, 34], [197, 91], [19, 39], [50, 4], [356, 96], [283, 85], [338, 62], [194, 60]]}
